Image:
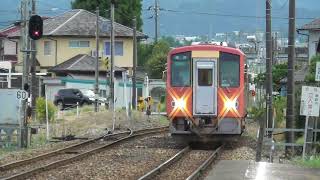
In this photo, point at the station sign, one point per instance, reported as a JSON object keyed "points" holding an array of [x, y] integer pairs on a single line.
{"points": [[310, 101]]}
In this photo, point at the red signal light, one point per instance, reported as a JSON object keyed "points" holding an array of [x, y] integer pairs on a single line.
{"points": [[253, 93], [35, 27]]}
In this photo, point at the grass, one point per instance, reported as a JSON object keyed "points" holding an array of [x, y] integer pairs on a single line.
{"points": [[312, 162]]}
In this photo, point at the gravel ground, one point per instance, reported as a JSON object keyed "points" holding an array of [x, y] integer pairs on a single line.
{"points": [[244, 148], [185, 166], [87, 125], [127, 161]]}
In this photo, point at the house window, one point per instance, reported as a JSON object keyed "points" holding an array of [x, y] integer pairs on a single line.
{"points": [[47, 48], [118, 48], [79, 44]]}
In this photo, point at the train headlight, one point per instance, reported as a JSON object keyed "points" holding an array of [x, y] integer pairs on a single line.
{"points": [[180, 103], [231, 104]]}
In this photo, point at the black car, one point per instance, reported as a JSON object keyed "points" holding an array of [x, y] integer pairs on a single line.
{"points": [[70, 97]]}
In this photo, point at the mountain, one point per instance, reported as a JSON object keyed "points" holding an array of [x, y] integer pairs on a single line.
{"points": [[9, 9], [225, 15], [217, 15]]}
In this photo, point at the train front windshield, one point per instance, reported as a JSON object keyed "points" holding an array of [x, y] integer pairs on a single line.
{"points": [[229, 70], [180, 70]]}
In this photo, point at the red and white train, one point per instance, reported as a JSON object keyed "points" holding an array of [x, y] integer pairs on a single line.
{"points": [[206, 90]]}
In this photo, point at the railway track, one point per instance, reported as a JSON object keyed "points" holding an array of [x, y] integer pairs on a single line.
{"points": [[25, 168], [171, 167]]}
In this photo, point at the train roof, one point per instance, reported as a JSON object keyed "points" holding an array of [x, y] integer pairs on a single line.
{"points": [[207, 47]]}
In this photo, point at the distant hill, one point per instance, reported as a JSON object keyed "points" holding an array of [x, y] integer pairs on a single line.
{"points": [[9, 9], [191, 24]]}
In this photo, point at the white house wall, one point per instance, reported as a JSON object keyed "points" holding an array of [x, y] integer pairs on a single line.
{"points": [[9, 47], [313, 41]]}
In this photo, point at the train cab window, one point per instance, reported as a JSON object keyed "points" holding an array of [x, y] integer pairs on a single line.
{"points": [[205, 77], [180, 70], [229, 70]]}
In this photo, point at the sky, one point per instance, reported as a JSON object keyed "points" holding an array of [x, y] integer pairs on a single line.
{"points": [[171, 23]]}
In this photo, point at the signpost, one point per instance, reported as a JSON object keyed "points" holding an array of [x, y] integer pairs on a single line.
{"points": [[317, 78], [309, 107], [22, 95]]}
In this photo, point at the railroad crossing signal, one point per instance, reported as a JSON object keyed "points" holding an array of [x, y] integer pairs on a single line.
{"points": [[35, 27]]}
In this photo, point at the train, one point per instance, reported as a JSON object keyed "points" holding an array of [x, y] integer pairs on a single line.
{"points": [[206, 91]]}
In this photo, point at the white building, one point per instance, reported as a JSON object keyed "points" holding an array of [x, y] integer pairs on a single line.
{"points": [[312, 29]]}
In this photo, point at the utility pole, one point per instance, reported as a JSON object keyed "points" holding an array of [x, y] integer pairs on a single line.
{"points": [[290, 82], [96, 87], [156, 20], [134, 90], [269, 65], [112, 57], [268, 84], [33, 68], [24, 40]]}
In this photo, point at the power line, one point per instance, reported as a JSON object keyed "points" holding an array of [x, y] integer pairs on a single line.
{"points": [[232, 15], [283, 6]]}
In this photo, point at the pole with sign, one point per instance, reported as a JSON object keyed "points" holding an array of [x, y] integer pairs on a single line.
{"points": [[317, 78], [309, 107]]}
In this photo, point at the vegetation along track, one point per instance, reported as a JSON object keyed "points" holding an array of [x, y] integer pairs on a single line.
{"points": [[25, 168], [186, 164]]}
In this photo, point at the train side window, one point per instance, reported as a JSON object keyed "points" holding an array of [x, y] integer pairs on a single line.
{"points": [[180, 70], [229, 70], [205, 77]]}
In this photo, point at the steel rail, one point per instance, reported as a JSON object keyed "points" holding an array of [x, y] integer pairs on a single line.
{"points": [[56, 152], [196, 174], [58, 163], [164, 165]]}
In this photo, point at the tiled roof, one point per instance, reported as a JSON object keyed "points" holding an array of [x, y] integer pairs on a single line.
{"points": [[313, 25], [79, 22], [80, 63]]}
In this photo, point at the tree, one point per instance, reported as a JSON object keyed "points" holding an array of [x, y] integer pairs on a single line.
{"points": [[310, 77], [125, 10], [172, 42], [158, 59], [279, 72], [144, 53]]}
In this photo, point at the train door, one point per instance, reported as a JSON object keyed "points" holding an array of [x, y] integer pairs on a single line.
{"points": [[205, 87]]}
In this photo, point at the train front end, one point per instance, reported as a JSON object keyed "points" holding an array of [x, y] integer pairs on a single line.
{"points": [[206, 91]]}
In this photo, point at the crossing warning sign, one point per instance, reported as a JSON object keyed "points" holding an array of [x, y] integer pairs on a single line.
{"points": [[310, 101]]}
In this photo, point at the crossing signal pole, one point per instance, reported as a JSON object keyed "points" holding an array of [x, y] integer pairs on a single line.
{"points": [[24, 86], [35, 33]]}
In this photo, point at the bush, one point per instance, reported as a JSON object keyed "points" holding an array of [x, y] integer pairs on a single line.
{"points": [[41, 110]]}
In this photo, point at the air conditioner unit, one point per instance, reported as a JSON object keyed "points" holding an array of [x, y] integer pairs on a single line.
{"points": [[94, 53]]}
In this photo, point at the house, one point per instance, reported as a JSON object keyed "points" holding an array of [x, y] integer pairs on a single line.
{"points": [[68, 50], [8, 47], [79, 72], [73, 33], [313, 30]]}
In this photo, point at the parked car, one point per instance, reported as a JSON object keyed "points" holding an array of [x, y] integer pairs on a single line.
{"points": [[90, 94], [70, 97]]}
